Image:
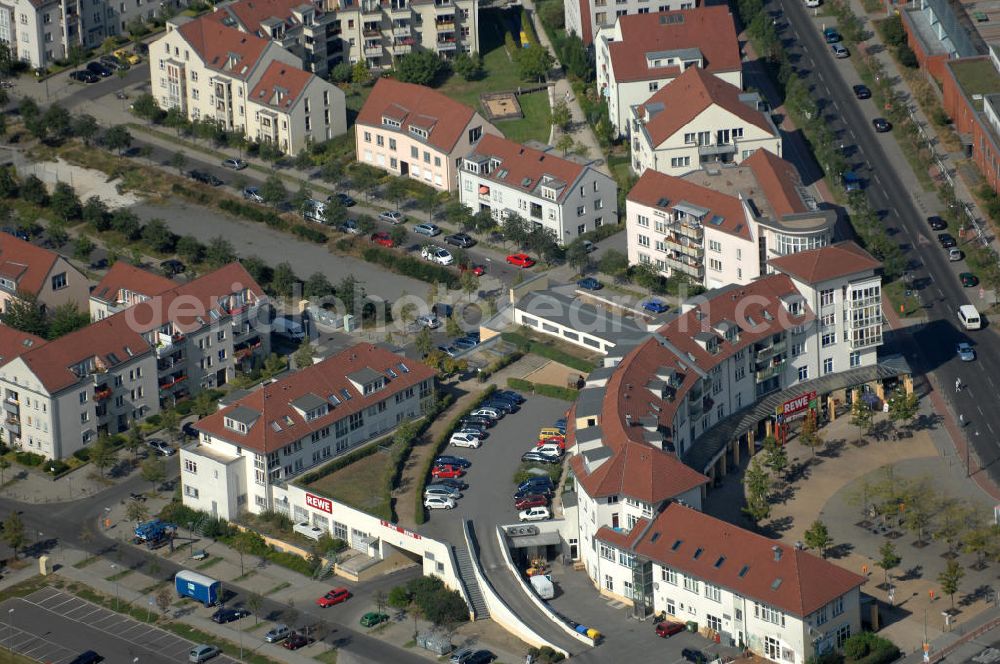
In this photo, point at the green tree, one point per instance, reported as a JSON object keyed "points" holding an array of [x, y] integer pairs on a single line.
{"points": [[8, 63], [903, 407], [83, 247], [171, 422], [576, 59], [469, 67], [190, 249], [888, 559], [127, 223], [102, 453], [565, 144], [398, 235], [980, 542], [57, 233], [154, 471], [366, 178], [613, 263], [301, 197], [95, 213], [452, 327], [273, 190], [534, 62], [809, 434], [424, 343], [950, 578], [777, 459], [758, 488], [317, 285], [65, 203], [334, 213], [179, 160], [157, 235], [246, 542], [303, 356], [65, 319], [284, 279], [341, 73], [134, 440], [254, 603], [861, 417], [818, 537], [145, 107], [136, 511], [118, 139], [646, 276], [8, 185], [24, 313], [273, 365], [33, 191], [13, 532], [360, 74], [219, 252], [561, 116], [28, 109], [57, 122], [165, 597], [419, 67]]}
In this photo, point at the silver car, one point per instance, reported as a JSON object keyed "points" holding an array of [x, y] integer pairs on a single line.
{"points": [[253, 194], [277, 633], [202, 653], [441, 490], [430, 230]]}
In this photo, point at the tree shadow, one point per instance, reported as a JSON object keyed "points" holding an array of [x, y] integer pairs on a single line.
{"points": [[915, 572], [832, 449], [775, 527], [925, 422], [838, 551], [976, 594]]}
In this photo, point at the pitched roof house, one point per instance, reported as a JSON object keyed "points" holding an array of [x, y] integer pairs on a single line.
{"points": [[27, 268]]}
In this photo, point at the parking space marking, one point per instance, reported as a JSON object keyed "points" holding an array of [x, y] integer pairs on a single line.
{"points": [[58, 652]]}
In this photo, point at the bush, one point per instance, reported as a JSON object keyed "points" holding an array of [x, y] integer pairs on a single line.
{"points": [[83, 454], [869, 648], [545, 655], [440, 444], [497, 365], [526, 345], [29, 459], [253, 213], [311, 234], [56, 467], [435, 601], [410, 267], [184, 408], [907, 57]]}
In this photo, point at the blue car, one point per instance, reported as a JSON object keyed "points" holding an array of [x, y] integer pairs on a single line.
{"points": [[590, 284], [655, 306]]}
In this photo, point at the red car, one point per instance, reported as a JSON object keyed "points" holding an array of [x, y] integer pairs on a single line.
{"points": [[554, 440], [668, 628], [295, 641], [477, 270], [521, 260], [335, 596], [534, 500], [383, 239], [447, 472]]}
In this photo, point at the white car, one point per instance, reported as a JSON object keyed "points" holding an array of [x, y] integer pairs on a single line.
{"points": [[813, 3], [161, 447], [439, 255], [491, 413], [429, 321], [534, 514], [465, 440], [442, 491], [439, 503], [549, 449], [392, 217]]}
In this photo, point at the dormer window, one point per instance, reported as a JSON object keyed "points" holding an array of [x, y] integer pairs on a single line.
{"points": [[233, 425], [417, 131], [374, 386], [389, 122], [549, 193]]}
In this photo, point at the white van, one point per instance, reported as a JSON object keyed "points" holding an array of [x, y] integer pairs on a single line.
{"points": [[970, 317], [288, 328]]}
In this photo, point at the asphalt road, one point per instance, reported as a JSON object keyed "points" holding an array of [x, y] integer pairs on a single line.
{"points": [[76, 524], [934, 278]]}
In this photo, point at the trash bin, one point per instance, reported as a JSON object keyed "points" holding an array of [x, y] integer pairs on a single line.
{"points": [[594, 634], [44, 566], [581, 629], [692, 626]]}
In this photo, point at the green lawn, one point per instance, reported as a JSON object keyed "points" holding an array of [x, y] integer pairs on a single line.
{"points": [[535, 124], [359, 484]]}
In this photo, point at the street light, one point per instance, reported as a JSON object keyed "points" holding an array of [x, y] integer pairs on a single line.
{"points": [[114, 567]]}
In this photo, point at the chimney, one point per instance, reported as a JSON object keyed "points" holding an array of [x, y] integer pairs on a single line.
{"points": [[777, 552]]}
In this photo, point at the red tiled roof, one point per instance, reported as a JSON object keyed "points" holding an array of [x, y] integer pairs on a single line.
{"points": [[626, 397], [124, 276], [280, 86], [776, 574], [640, 471], [653, 187], [709, 29], [417, 105], [818, 265], [272, 402], [525, 164], [215, 43], [689, 95], [251, 13], [25, 263], [778, 179], [14, 343], [621, 538]]}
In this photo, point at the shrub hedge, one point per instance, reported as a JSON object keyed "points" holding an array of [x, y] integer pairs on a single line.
{"points": [[438, 445], [526, 345], [541, 389], [252, 212], [497, 365], [410, 266], [311, 234], [29, 459]]}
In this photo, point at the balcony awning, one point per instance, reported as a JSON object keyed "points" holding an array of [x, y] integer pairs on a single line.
{"points": [[483, 189]]}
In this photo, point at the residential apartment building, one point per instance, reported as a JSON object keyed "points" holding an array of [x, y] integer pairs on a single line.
{"points": [[305, 29], [567, 196], [721, 227], [642, 53], [60, 396], [246, 83], [247, 452], [412, 131], [376, 32], [123, 286], [585, 18], [14, 343], [696, 121], [29, 269], [42, 31], [782, 603]]}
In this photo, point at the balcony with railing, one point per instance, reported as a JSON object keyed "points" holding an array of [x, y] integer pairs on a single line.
{"points": [[245, 350], [777, 366], [170, 382], [444, 6], [399, 8], [688, 227], [447, 44], [401, 31], [685, 265], [371, 8], [445, 24], [168, 344], [11, 405], [402, 46], [764, 352], [373, 49], [13, 423], [685, 245], [102, 393]]}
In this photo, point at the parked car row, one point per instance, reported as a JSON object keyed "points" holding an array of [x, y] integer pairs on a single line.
{"points": [[534, 494], [460, 344]]}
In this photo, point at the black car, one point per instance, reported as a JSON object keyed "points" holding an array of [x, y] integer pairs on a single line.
{"points": [[501, 405], [480, 421], [205, 178], [172, 266], [509, 394], [84, 76], [500, 396], [538, 457], [223, 616], [189, 430], [946, 240], [694, 656], [451, 482], [460, 240], [481, 657], [343, 199], [449, 460], [99, 69], [862, 92], [17, 232], [533, 483], [881, 125], [87, 657], [475, 431], [937, 223], [537, 490]]}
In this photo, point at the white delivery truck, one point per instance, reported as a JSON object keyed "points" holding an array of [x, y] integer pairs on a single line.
{"points": [[288, 328], [542, 583], [969, 316]]}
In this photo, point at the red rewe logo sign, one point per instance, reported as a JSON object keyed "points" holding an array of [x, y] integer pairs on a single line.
{"points": [[318, 503], [796, 405]]}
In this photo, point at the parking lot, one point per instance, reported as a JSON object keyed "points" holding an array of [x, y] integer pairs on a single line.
{"points": [[52, 626]]}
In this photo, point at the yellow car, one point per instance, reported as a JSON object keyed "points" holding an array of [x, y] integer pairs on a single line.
{"points": [[127, 56]]}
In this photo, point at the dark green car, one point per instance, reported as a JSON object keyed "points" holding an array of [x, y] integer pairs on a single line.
{"points": [[969, 280], [373, 618]]}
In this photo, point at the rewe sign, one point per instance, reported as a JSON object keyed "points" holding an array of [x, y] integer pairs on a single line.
{"points": [[318, 503], [796, 406]]}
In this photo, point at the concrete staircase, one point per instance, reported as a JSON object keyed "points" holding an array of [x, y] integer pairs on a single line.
{"points": [[469, 579]]}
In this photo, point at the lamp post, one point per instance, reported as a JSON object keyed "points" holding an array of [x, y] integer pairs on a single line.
{"points": [[115, 567]]}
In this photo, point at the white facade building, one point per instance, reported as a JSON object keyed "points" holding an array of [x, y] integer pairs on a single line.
{"points": [[248, 451], [695, 121], [721, 227], [566, 196], [378, 32], [245, 83], [585, 18], [642, 53]]}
